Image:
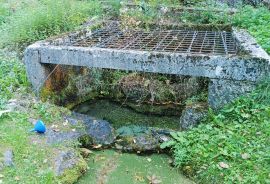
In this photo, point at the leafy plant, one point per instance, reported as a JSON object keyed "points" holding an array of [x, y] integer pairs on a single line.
{"points": [[230, 146]]}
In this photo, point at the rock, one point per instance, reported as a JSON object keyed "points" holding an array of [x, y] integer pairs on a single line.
{"points": [[192, 116], [69, 166], [135, 138], [56, 137], [96, 131], [101, 132], [6, 158], [142, 143]]}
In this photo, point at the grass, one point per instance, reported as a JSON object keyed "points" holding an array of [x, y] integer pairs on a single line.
{"points": [[29, 158], [45, 18], [12, 77], [257, 22], [237, 136]]}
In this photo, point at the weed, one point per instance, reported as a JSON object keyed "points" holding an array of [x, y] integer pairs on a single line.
{"points": [[45, 18], [237, 138]]}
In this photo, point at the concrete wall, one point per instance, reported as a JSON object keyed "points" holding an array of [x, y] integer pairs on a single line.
{"points": [[230, 76]]}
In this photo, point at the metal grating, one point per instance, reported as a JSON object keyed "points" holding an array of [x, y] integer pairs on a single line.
{"points": [[178, 41]]}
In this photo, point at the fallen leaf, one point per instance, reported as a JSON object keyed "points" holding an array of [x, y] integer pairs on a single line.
{"points": [[139, 178], [17, 178], [97, 146], [153, 179], [223, 165], [245, 156]]}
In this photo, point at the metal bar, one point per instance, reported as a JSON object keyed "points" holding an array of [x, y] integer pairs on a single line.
{"points": [[224, 43], [193, 38], [203, 42], [152, 39], [133, 40], [214, 45], [169, 32], [181, 41]]}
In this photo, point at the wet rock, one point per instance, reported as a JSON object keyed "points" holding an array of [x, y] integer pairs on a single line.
{"points": [[142, 143], [192, 116], [69, 166], [96, 131], [141, 139], [101, 132]]}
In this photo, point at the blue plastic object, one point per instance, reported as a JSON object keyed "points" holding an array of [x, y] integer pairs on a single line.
{"points": [[39, 127]]}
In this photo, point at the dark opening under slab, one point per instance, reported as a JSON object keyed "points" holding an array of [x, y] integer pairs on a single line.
{"points": [[174, 40]]}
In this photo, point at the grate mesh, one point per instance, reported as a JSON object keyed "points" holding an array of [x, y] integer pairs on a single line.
{"points": [[179, 41]]}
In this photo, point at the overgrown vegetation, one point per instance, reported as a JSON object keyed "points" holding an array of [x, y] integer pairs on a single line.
{"points": [[257, 22], [231, 146], [45, 18], [12, 77]]}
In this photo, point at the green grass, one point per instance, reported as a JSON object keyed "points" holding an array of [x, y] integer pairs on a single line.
{"points": [[12, 77], [40, 19], [241, 128], [257, 22], [28, 158]]}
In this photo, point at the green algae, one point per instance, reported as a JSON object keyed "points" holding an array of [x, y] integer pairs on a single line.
{"points": [[119, 115], [111, 167]]}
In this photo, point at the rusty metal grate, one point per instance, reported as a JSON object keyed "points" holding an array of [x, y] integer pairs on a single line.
{"points": [[179, 41]]}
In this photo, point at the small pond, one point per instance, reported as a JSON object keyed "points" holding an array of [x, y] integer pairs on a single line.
{"points": [[121, 115], [114, 167], [111, 167]]}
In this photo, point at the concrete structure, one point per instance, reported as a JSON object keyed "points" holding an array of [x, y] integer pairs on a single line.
{"points": [[230, 75]]}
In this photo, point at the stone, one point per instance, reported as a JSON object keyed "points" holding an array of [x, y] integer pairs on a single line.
{"points": [[56, 137], [192, 116], [222, 92], [141, 143], [135, 138], [100, 131], [96, 131], [6, 158], [69, 166]]}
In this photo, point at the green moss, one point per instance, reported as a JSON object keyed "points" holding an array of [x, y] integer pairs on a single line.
{"points": [[131, 168], [70, 176], [86, 141]]}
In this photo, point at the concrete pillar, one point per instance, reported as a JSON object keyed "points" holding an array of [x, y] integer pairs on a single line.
{"points": [[36, 72], [222, 92]]}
